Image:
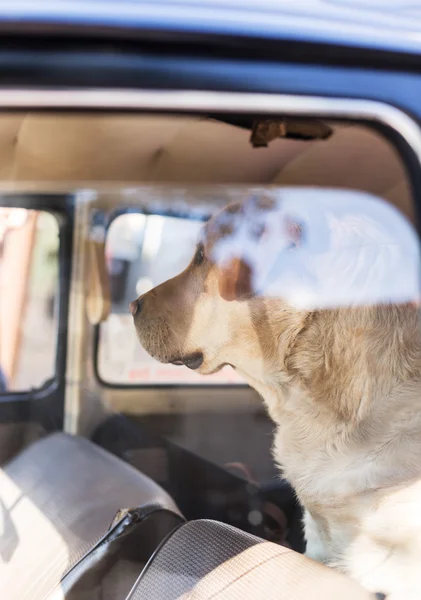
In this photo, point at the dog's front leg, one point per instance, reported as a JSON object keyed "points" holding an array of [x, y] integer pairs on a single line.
{"points": [[316, 546]]}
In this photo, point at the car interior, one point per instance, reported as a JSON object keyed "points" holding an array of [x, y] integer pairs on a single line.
{"points": [[122, 478]]}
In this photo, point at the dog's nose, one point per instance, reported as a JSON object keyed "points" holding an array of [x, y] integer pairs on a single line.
{"points": [[136, 306]]}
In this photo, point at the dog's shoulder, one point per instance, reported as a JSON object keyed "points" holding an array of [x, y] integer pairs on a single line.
{"points": [[351, 359]]}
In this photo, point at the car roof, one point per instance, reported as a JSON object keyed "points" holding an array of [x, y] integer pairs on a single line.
{"points": [[390, 25]]}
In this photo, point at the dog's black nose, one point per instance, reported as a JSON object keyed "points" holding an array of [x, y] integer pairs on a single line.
{"points": [[193, 361], [136, 306]]}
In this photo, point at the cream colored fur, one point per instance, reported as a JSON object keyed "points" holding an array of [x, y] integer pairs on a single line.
{"points": [[344, 389]]}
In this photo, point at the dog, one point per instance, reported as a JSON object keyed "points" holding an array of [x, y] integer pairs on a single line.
{"points": [[338, 367]]}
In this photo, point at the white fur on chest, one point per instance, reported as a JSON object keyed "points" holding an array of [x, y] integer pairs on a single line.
{"points": [[317, 456], [362, 501], [385, 555]]}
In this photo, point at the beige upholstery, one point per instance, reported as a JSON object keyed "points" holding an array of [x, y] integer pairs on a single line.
{"points": [[67, 149], [57, 499], [206, 560]]}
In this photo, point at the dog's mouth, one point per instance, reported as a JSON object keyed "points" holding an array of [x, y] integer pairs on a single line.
{"points": [[192, 361]]}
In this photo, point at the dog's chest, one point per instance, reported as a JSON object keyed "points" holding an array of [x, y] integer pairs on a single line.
{"points": [[318, 457], [311, 463]]}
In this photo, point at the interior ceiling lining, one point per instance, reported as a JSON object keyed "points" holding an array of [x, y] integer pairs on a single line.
{"points": [[137, 149]]}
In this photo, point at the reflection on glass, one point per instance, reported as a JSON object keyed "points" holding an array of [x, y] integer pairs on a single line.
{"points": [[320, 249]]}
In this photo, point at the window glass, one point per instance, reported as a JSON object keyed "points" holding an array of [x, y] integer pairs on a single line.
{"points": [[314, 248], [28, 298], [290, 330]]}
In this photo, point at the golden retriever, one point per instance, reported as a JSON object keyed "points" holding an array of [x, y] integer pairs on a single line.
{"points": [[342, 384]]}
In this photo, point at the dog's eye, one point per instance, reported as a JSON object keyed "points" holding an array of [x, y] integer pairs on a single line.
{"points": [[199, 257]]}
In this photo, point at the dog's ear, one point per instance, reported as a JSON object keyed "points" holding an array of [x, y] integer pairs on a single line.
{"points": [[235, 280]]}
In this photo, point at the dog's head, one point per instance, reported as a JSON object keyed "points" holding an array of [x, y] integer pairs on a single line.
{"points": [[213, 314]]}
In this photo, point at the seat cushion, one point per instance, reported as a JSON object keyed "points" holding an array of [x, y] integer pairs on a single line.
{"points": [[57, 499], [206, 559]]}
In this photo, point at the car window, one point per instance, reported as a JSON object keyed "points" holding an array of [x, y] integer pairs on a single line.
{"points": [[28, 291]]}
